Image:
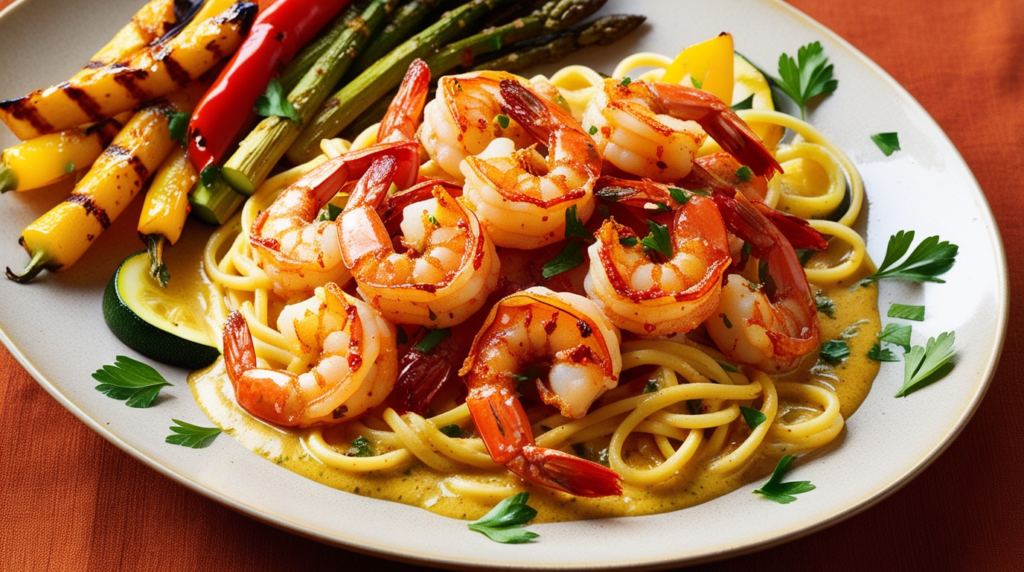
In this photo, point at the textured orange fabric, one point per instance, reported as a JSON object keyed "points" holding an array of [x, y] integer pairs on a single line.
{"points": [[70, 500]]}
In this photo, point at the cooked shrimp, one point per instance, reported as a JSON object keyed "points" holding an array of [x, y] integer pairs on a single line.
{"points": [[521, 197], [654, 130], [462, 119], [447, 266], [579, 347], [648, 293], [300, 253], [351, 348], [772, 325], [399, 124]]}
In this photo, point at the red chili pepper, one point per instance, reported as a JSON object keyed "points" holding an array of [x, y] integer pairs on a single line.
{"points": [[280, 30]]}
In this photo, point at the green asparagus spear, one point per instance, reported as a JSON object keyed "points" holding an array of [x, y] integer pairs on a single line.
{"points": [[309, 54], [600, 32], [404, 23], [344, 106]]}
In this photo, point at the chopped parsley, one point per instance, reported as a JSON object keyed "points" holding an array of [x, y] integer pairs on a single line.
{"points": [[728, 366], [629, 241], [131, 381], [189, 435], [658, 239], [593, 130], [807, 77], [747, 103], [625, 81], [835, 351], [679, 195], [208, 176], [453, 431], [926, 365], [573, 224], [825, 304], [69, 168], [503, 121], [753, 417], [570, 257], [696, 83], [744, 174], [361, 447], [878, 354], [905, 312], [504, 523], [896, 334], [273, 103], [178, 126], [780, 492], [431, 340], [889, 143], [651, 386]]}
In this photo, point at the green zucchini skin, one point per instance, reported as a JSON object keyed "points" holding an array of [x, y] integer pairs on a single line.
{"points": [[148, 339]]}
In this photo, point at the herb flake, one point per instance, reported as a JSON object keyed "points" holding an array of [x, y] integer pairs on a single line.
{"points": [[177, 125], [825, 304], [273, 103], [658, 240], [780, 492], [744, 174], [503, 121], [896, 334], [429, 341], [573, 225], [905, 312], [926, 365], [747, 103], [189, 435], [361, 447], [835, 351], [131, 381], [570, 257], [878, 354], [889, 143], [504, 523], [753, 417], [453, 431]]}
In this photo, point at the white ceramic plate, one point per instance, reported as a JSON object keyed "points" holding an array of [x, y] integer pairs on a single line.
{"points": [[55, 326]]}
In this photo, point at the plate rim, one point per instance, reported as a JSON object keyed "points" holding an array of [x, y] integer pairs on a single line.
{"points": [[776, 538]]}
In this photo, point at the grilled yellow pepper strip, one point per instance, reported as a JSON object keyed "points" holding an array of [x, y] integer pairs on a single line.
{"points": [[151, 73], [61, 236], [165, 209], [46, 159], [148, 24]]}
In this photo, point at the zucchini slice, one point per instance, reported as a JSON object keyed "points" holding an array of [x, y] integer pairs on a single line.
{"points": [[152, 323]]}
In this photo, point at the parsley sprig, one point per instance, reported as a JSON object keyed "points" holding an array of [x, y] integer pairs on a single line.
{"points": [[930, 259], [130, 380], [273, 103], [571, 254], [189, 435], [926, 365], [504, 523], [807, 77], [781, 492]]}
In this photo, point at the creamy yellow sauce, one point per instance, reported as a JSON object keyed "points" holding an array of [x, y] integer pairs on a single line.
{"points": [[856, 319]]}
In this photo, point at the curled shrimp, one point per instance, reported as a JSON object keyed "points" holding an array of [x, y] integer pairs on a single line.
{"points": [[297, 251], [446, 267], [351, 348], [521, 197], [462, 119], [646, 292], [654, 130], [772, 325], [579, 347]]}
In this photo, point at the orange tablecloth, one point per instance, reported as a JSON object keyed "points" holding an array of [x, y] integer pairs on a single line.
{"points": [[71, 500]]}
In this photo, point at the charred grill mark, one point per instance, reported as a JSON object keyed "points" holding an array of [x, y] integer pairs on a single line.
{"points": [[141, 171], [23, 109], [179, 74], [90, 207], [94, 64], [129, 80], [85, 102], [214, 48]]}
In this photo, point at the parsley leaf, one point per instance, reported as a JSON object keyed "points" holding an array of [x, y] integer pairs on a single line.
{"points": [[781, 492], [177, 126], [361, 447], [878, 354], [898, 335], [431, 340], [208, 176], [744, 174], [825, 304], [905, 312], [697, 83], [570, 257], [728, 366], [658, 239], [505, 521], [69, 168], [503, 121], [625, 81], [807, 77], [130, 380], [273, 103], [593, 130], [835, 351], [629, 241], [189, 435], [679, 195], [930, 259], [889, 143], [453, 431], [924, 366], [651, 387], [747, 103], [331, 214], [753, 417], [573, 224]]}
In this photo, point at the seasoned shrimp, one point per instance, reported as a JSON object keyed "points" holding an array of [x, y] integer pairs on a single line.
{"points": [[299, 252], [462, 119], [648, 293], [521, 197], [654, 130], [579, 347], [447, 266], [772, 325], [351, 348]]}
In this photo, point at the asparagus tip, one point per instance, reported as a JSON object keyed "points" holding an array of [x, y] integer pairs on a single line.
{"points": [[8, 180], [40, 261]]}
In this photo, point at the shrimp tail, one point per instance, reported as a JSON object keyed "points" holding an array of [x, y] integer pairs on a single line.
{"points": [[720, 121], [402, 118], [267, 394], [565, 472], [239, 353]]}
